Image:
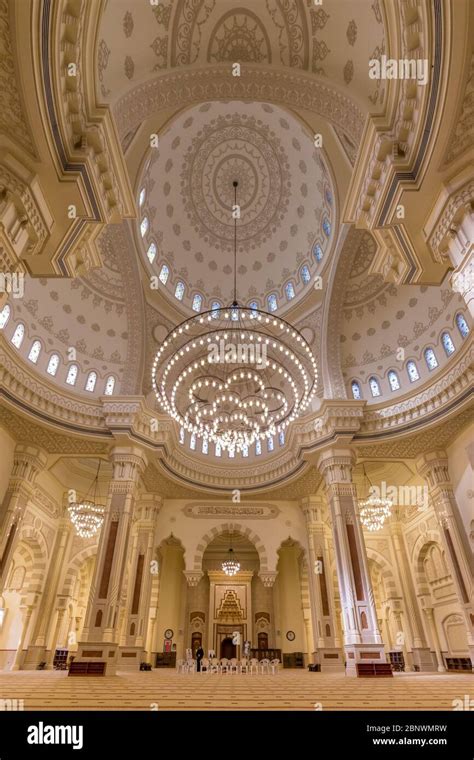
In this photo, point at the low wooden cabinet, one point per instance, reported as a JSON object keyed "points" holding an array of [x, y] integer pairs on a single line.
{"points": [[374, 669], [165, 660], [87, 668]]}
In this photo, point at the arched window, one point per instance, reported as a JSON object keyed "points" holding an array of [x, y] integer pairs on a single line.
{"points": [[281, 437], [205, 446], [4, 316], [217, 449], [234, 315], [430, 359], [463, 327], [197, 302], [192, 442], [72, 375], [35, 351], [53, 365], [144, 226], [18, 335], [356, 391], [289, 290], [448, 344], [179, 290], [164, 274], [393, 380], [258, 447], [272, 302], [215, 306], [374, 386], [317, 252], [91, 381], [231, 453], [305, 274], [109, 385], [270, 443], [412, 370], [141, 197], [253, 305], [151, 253], [327, 227], [245, 450], [181, 435]]}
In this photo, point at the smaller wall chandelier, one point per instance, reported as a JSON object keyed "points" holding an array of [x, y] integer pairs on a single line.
{"points": [[374, 510], [86, 514]]}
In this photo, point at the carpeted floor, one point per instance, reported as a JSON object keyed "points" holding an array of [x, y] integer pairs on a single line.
{"points": [[288, 690]]}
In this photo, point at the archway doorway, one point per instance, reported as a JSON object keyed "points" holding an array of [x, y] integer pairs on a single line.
{"points": [[228, 649]]}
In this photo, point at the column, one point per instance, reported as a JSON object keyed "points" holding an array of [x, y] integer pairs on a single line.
{"points": [[27, 611], [169, 600], [28, 462], [434, 468], [326, 644], [139, 584], [429, 613], [291, 610], [422, 659], [57, 566], [362, 639], [100, 634]]}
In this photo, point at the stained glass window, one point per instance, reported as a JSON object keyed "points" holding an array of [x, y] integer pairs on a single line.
{"points": [[448, 344], [305, 274], [217, 449], [374, 387], [215, 309], [327, 227], [144, 226], [164, 274], [192, 442], [91, 381], [53, 365], [151, 253], [231, 453], [254, 306], [181, 435], [430, 359], [109, 385], [258, 447], [179, 291], [393, 380], [35, 351], [205, 446], [72, 375], [270, 444], [356, 392], [245, 450], [234, 315], [281, 437], [197, 302], [463, 327], [289, 290], [18, 335], [318, 252], [412, 371], [141, 198], [272, 302], [4, 316]]}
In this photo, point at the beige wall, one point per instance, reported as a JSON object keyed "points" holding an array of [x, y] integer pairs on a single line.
{"points": [[461, 464]]}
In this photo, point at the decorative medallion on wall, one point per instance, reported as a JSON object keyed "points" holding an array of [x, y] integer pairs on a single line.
{"points": [[290, 635]]}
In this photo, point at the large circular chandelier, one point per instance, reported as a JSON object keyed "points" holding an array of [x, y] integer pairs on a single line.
{"points": [[234, 375]]}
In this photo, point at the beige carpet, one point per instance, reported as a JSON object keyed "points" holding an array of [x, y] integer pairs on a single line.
{"points": [[288, 690]]}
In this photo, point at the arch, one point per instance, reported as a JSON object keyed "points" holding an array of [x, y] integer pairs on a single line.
{"points": [[386, 572], [227, 528], [36, 544], [74, 568]]}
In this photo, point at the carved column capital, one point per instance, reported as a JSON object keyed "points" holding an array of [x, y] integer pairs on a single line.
{"points": [[268, 578], [193, 577]]}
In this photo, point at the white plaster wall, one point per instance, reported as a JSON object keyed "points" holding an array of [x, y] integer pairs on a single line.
{"points": [[7, 447], [289, 522]]}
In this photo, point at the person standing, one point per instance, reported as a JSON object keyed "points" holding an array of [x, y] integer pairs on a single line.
{"points": [[199, 656]]}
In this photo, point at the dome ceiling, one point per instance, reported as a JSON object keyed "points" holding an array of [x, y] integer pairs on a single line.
{"points": [[284, 193], [137, 41]]}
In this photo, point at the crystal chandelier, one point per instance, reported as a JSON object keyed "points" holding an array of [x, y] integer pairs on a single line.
{"points": [[374, 510], [230, 566], [86, 514], [234, 375]]}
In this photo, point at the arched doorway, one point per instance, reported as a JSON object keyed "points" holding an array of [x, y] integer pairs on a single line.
{"points": [[228, 649]]}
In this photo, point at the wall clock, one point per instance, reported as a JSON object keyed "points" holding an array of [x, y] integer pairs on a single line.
{"points": [[168, 633], [290, 635]]}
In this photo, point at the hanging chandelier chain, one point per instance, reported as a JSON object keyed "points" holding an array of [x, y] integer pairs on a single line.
{"points": [[235, 183]]}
